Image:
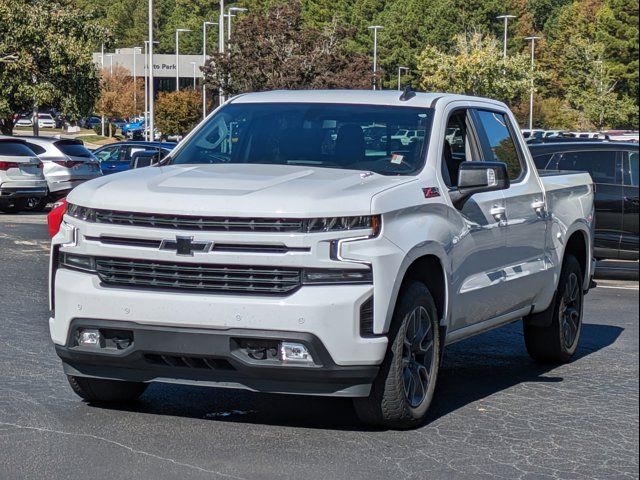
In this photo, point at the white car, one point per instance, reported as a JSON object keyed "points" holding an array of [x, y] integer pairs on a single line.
{"points": [[264, 254], [45, 120], [24, 121], [21, 175], [67, 164]]}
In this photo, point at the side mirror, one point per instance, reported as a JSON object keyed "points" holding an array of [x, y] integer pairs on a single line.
{"points": [[479, 177]]}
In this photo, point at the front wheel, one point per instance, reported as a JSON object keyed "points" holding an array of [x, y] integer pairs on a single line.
{"points": [[106, 391], [557, 342], [401, 394]]}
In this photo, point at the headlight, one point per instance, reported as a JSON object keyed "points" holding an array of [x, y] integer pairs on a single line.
{"points": [[77, 262], [315, 276], [336, 224], [81, 213]]}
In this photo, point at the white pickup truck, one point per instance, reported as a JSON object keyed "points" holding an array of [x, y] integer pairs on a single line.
{"points": [[275, 250]]}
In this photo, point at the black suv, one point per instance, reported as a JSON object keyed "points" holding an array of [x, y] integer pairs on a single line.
{"points": [[614, 169]]}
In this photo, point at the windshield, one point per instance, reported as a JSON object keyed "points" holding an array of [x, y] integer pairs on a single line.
{"points": [[320, 135]]}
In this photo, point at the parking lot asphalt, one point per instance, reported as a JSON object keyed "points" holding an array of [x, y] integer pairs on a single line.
{"points": [[496, 414]]}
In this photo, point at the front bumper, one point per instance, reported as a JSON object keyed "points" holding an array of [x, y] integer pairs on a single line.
{"points": [[207, 357], [330, 313]]}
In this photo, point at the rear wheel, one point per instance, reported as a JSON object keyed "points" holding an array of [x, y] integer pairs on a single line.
{"points": [[36, 204], [106, 391], [402, 392], [557, 342], [13, 206]]}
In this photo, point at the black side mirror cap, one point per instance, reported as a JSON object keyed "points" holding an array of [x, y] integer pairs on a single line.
{"points": [[479, 177]]}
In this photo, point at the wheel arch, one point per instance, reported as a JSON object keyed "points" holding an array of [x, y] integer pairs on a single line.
{"points": [[426, 264]]}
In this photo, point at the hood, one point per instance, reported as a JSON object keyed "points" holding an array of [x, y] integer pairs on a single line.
{"points": [[236, 190]]}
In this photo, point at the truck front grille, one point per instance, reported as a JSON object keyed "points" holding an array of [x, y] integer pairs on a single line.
{"points": [[194, 277], [195, 223]]}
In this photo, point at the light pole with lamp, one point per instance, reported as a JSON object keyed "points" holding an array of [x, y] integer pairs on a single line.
{"points": [[229, 16], [150, 125], [204, 62], [400, 70], [375, 29], [136, 51], [147, 69], [506, 19], [178, 32], [221, 42], [533, 51], [101, 73]]}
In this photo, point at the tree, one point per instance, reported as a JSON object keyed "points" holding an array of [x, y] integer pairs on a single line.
{"points": [[475, 68], [52, 44], [177, 113], [276, 50], [593, 88], [117, 94]]}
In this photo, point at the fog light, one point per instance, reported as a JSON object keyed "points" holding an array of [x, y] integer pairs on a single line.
{"points": [[89, 337], [295, 353]]}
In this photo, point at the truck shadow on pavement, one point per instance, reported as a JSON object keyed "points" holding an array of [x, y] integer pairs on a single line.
{"points": [[472, 370]]}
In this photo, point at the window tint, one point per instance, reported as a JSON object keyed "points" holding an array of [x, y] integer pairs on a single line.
{"points": [[543, 162], [631, 170], [354, 137], [600, 164], [36, 148], [15, 149], [73, 149], [502, 145]]}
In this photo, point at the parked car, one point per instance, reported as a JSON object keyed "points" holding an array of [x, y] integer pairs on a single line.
{"points": [[24, 121], [67, 164], [117, 157], [590, 135], [45, 120], [614, 168], [532, 134], [132, 126], [262, 254], [90, 122], [21, 175]]}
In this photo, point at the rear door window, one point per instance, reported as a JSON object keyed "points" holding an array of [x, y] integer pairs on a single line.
{"points": [[543, 162], [73, 149], [15, 149], [501, 142], [601, 164]]}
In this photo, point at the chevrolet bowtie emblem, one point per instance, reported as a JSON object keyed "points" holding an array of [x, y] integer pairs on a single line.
{"points": [[185, 246]]}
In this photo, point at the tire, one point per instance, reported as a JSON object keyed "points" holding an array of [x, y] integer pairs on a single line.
{"points": [[402, 392], [35, 204], [106, 391], [13, 206], [557, 342]]}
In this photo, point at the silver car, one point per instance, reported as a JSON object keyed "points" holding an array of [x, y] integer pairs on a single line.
{"points": [[67, 164], [21, 175]]}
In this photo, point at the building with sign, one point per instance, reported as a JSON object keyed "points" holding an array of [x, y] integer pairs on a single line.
{"points": [[164, 67]]}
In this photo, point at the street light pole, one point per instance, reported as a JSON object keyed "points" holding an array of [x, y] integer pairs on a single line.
{"points": [[400, 70], [110, 55], [229, 16], [178, 31], [375, 29], [135, 81], [204, 62], [102, 73], [533, 51], [150, 126], [221, 42], [506, 19]]}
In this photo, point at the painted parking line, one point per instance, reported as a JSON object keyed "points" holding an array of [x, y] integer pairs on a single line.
{"points": [[614, 287]]}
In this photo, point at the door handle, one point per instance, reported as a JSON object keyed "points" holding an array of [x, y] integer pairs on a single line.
{"points": [[498, 213]]}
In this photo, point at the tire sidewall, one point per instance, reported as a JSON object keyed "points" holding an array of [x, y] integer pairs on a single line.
{"points": [[570, 266]]}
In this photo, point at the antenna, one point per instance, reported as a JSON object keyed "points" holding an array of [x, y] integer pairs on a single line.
{"points": [[408, 94]]}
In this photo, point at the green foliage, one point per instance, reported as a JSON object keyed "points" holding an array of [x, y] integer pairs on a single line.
{"points": [[274, 49], [475, 68], [52, 43], [176, 113]]}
